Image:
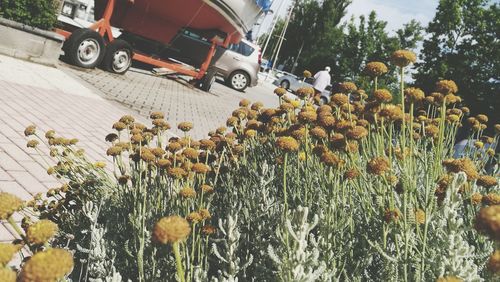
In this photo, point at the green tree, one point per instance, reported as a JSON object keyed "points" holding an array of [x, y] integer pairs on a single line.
{"points": [[463, 46], [366, 41], [40, 13]]}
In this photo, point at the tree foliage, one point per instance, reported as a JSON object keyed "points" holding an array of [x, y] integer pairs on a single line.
{"points": [[40, 13], [315, 35], [463, 45]]}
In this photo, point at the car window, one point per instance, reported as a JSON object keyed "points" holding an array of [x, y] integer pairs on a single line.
{"points": [[309, 80], [242, 48]]}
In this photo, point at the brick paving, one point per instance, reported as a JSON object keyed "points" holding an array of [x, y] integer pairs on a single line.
{"points": [[50, 99], [144, 92], [83, 104]]}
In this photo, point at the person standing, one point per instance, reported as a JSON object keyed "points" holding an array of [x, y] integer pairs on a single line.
{"points": [[321, 80]]}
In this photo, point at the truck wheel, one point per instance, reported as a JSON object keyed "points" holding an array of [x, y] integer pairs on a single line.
{"points": [[208, 80], [85, 48], [239, 80], [118, 57]]}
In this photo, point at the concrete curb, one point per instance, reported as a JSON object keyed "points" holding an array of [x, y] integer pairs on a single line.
{"points": [[29, 43]]}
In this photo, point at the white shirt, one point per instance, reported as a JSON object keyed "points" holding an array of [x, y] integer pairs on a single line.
{"points": [[321, 80]]}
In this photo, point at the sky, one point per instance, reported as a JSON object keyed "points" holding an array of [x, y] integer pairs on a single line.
{"points": [[394, 12]]}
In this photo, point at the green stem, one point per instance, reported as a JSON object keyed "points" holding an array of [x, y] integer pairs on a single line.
{"points": [[284, 183], [178, 262]]}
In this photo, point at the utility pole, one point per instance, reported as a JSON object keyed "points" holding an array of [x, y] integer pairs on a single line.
{"points": [[282, 37], [275, 21]]}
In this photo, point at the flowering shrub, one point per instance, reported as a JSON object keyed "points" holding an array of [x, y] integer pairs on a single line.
{"points": [[358, 189]]}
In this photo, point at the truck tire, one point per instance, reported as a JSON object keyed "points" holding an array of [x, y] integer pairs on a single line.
{"points": [[239, 80], [118, 57], [84, 48], [208, 80]]}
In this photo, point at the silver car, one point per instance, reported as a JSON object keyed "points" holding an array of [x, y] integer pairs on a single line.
{"points": [[292, 83], [239, 65]]}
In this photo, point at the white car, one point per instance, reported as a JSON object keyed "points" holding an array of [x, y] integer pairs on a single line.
{"points": [[291, 83]]}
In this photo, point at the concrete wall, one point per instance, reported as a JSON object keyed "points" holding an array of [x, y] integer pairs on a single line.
{"points": [[33, 44]]}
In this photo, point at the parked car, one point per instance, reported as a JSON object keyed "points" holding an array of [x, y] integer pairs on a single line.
{"points": [[239, 65], [291, 83]]}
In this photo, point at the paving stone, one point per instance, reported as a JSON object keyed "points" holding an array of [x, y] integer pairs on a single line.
{"points": [[15, 189]]}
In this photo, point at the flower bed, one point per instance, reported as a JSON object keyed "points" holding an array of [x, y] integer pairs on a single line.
{"points": [[359, 189]]}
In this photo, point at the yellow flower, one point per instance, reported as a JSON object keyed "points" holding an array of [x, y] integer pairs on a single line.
{"points": [[257, 106], [250, 133], [392, 113], [185, 126], [177, 172], [476, 198], [414, 94], [41, 232], [6, 253], [200, 168], [207, 188], [305, 92], [494, 262], [319, 132], [280, 91], [191, 153], [307, 74], [194, 217], [127, 119], [402, 58], [382, 95], [171, 229], [295, 103], [307, 116], [357, 133], [287, 143], [347, 87], [482, 118], [30, 130], [205, 214], [487, 181], [446, 87], [208, 230], [331, 159], [491, 199], [302, 156], [7, 275], [100, 164], [49, 265], [375, 69], [9, 204], [488, 221], [378, 166], [32, 143], [187, 192], [351, 174], [420, 216], [465, 165], [119, 126], [114, 151], [392, 215], [339, 99], [156, 115]]}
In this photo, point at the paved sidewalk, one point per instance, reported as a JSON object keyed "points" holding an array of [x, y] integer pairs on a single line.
{"points": [[50, 99], [141, 90]]}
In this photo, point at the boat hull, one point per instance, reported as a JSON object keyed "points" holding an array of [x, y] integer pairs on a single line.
{"points": [[161, 20]]}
